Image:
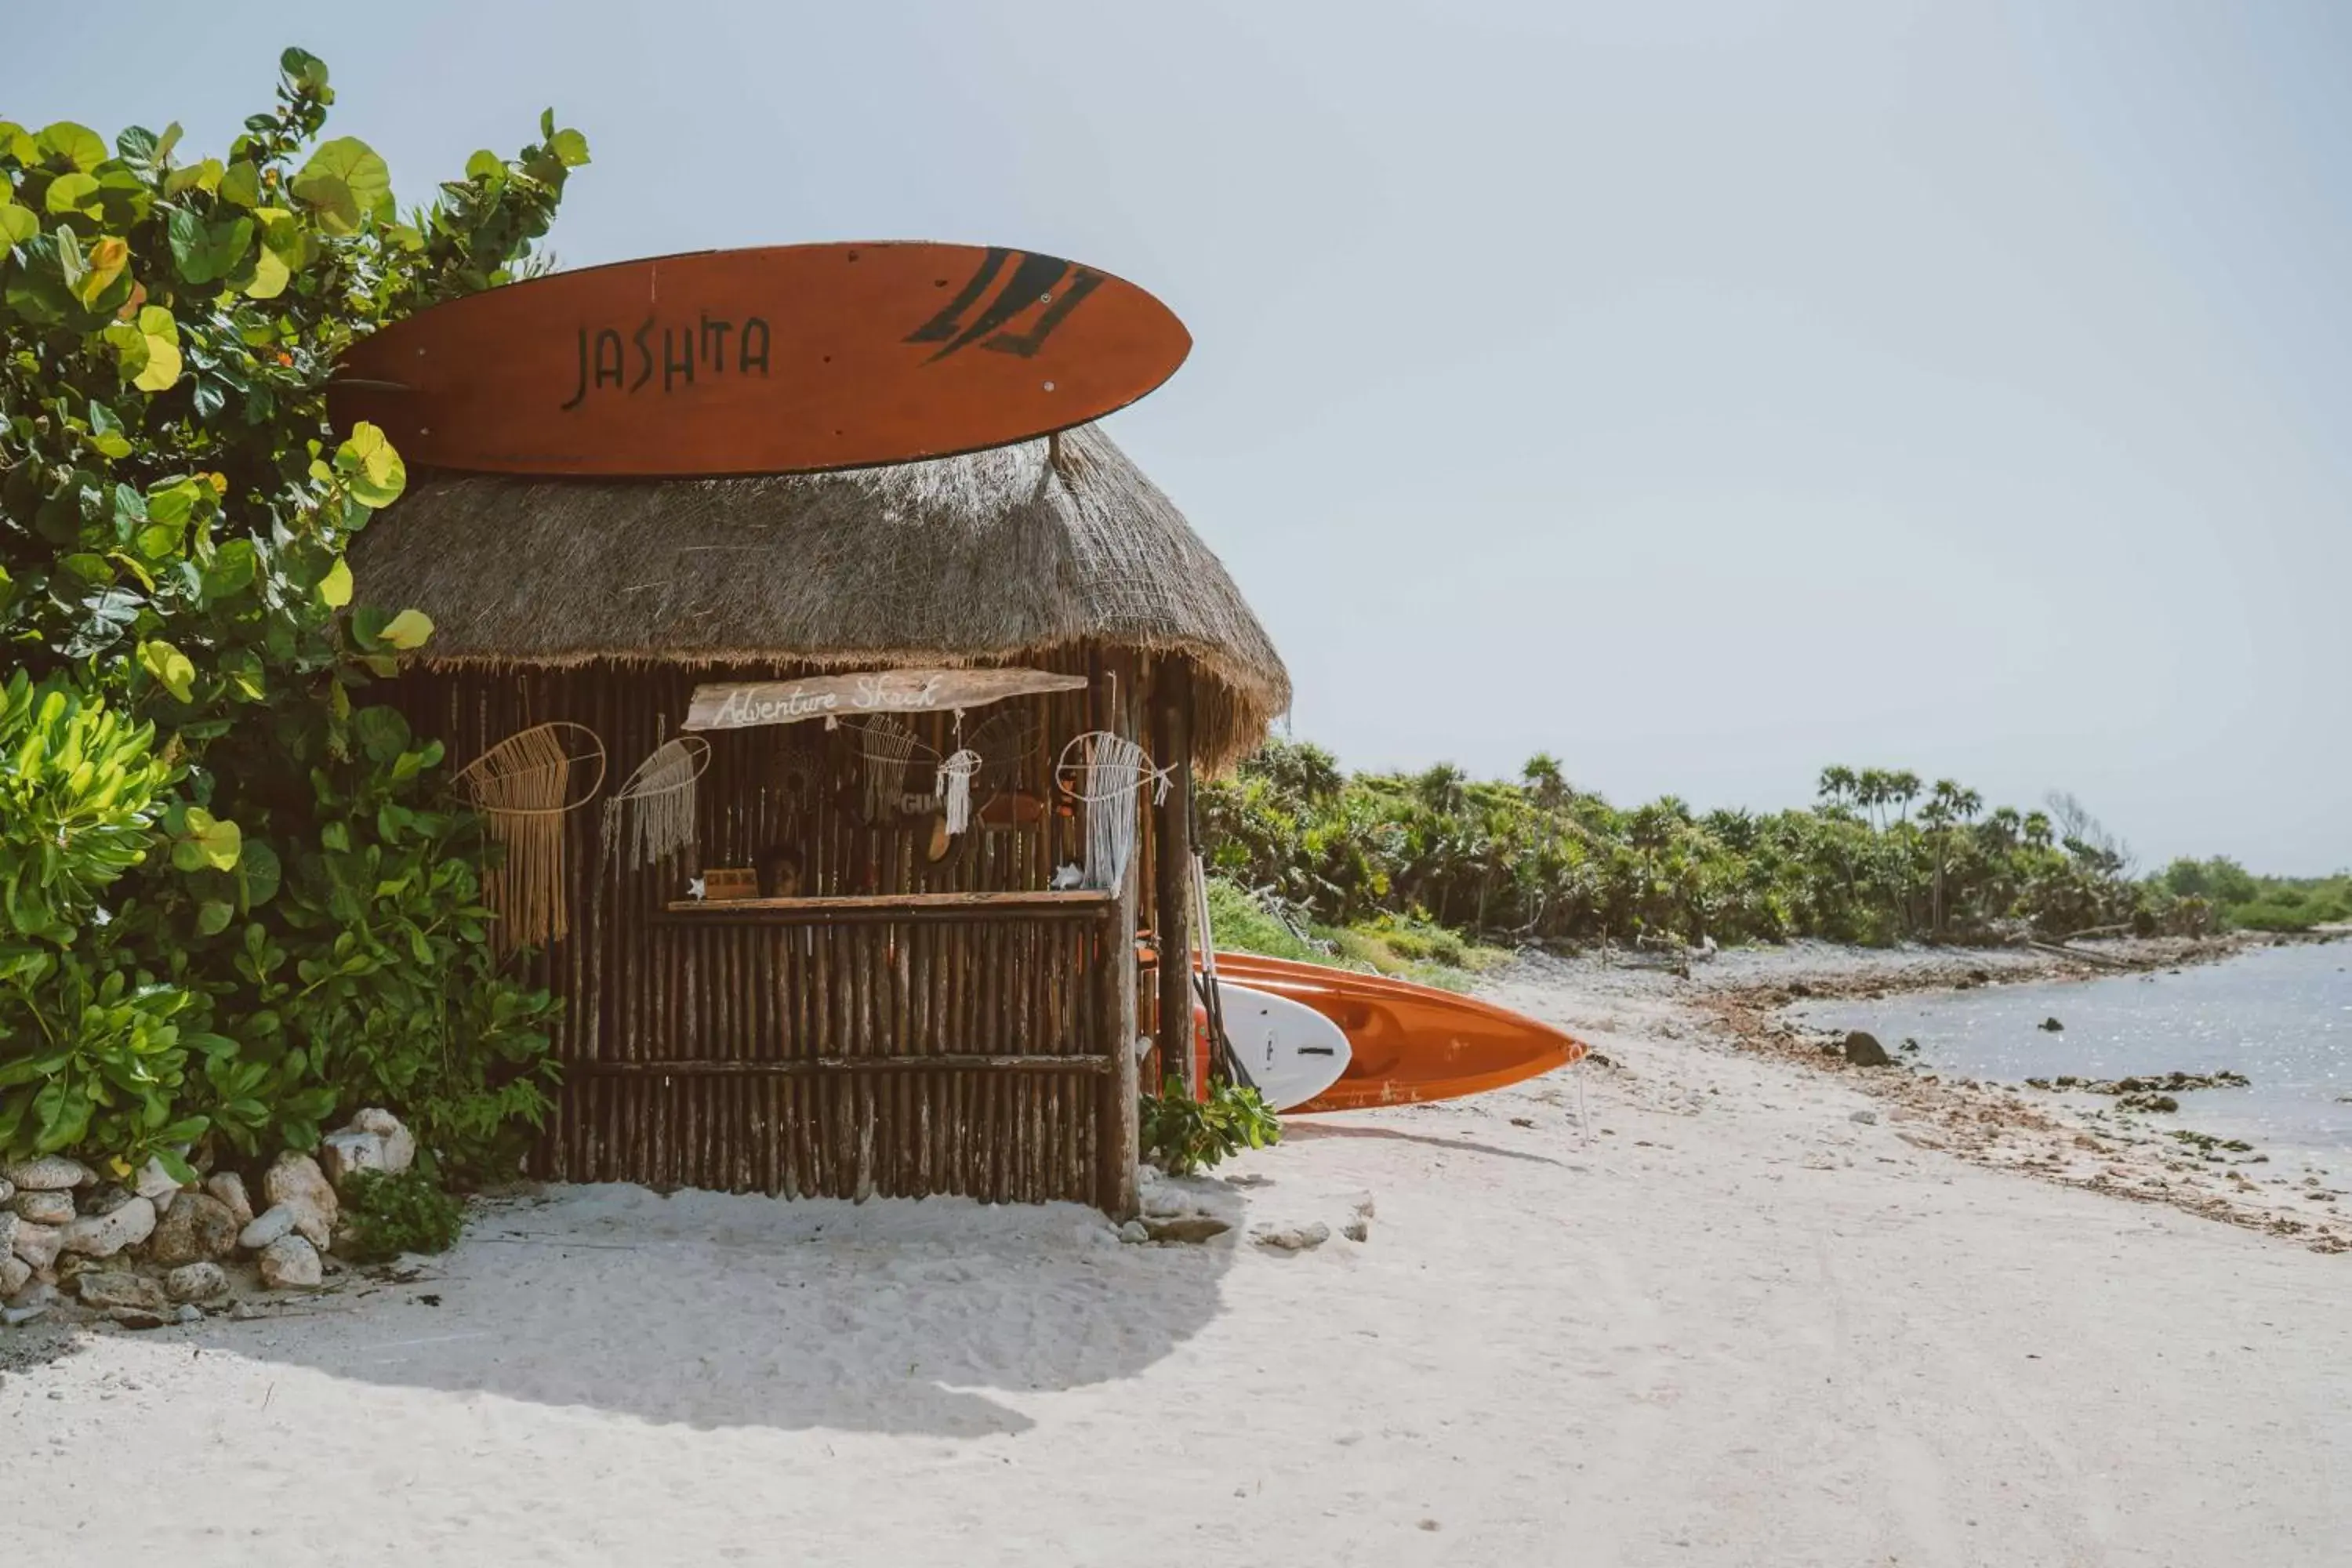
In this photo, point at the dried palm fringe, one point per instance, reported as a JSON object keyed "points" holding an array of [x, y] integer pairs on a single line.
{"points": [[520, 786]]}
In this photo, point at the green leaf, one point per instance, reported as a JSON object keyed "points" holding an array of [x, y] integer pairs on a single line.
{"points": [[486, 164], [335, 587], [201, 176], [382, 731], [241, 185], [74, 194], [303, 68], [77, 144], [270, 275], [161, 372], [170, 667], [376, 472], [408, 630], [212, 917], [172, 501], [257, 872], [232, 569], [16, 224], [217, 842], [346, 181], [205, 252], [570, 146]]}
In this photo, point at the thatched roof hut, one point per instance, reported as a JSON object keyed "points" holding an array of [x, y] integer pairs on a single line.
{"points": [[994, 556], [842, 976]]}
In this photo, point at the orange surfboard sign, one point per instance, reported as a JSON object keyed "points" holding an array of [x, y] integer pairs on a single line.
{"points": [[786, 359]]}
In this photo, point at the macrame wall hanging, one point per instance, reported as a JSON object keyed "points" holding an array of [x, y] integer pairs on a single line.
{"points": [[523, 787], [954, 783], [1102, 772], [1005, 741], [654, 804], [886, 746]]}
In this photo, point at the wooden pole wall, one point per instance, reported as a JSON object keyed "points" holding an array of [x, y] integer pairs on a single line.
{"points": [[1120, 1135], [1171, 919], [986, 1052]]}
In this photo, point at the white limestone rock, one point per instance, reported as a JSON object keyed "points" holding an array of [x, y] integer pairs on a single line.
{"points": [[373, 1141], [109, 1288], [42, 1207], [297, 1181], [229, 1188], [341, 1153], [267, 1226], [50, 1173], [1291, 1237], [103, 1235], [200, 1227], [198, 1282], [14, 1273], [291, 1263], [38, 1244], [157, 1186]]}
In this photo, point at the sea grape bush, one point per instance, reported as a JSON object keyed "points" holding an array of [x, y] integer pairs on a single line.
{"points": [[385, 1215], [1182, 1135], [234, 898]]}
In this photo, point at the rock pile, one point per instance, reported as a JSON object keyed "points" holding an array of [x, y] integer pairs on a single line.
{"points": [[153, 1252]]}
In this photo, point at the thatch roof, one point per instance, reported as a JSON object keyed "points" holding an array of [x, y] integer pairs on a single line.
{"points": [[985, 558]]}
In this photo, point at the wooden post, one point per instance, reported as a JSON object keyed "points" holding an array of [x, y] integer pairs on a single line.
{"points": [[1121, 1139], [1173, 748]]}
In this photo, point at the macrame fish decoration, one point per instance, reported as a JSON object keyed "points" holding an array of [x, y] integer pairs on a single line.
{"points": [[1112, 769], [655, 803]]}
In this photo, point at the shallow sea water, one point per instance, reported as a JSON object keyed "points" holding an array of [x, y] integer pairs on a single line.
{"points": [[2282, 1015]]}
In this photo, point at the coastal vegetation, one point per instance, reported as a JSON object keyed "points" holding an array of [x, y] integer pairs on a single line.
{"points": [[2261, 903], [234, 899], [1432, 866]]}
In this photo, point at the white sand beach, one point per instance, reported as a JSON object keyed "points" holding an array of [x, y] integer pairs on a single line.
{"points": [[1735, 1327]]}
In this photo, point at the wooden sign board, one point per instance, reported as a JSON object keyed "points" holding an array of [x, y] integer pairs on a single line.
{"points": [[738, 704], [782, 360]]}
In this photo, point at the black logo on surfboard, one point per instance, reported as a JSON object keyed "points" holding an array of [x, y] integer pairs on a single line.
{"points": [[1036, 281]]}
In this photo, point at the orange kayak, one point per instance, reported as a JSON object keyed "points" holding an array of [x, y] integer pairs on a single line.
{"points": [[1409, 1042]]}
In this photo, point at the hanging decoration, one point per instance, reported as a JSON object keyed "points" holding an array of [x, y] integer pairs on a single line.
{"points": [[739, 704], [524, 786], [955, 776], [1005, 741], [887, 745], [657, 801], [1102, 772]]}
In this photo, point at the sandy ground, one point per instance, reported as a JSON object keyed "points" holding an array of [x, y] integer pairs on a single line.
{"points": [[1735, 1327]]}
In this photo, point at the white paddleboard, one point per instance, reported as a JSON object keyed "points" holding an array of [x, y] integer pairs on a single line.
{"points": [[1291, 1052]]}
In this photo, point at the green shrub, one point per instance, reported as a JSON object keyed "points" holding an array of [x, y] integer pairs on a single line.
{"points": [[384, 1216], [1182, 1135], [232, 896], [1242, 925]]}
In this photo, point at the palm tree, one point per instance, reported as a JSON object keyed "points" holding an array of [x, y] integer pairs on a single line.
{"points": [[1547, 785]]}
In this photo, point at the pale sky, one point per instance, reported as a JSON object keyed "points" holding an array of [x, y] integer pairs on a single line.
{"points": [[1701, 393]]}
